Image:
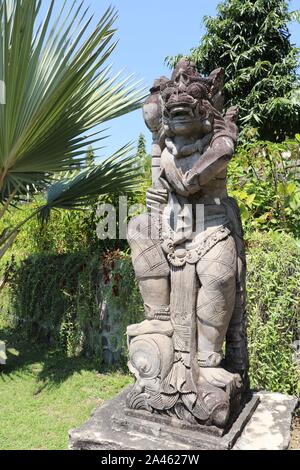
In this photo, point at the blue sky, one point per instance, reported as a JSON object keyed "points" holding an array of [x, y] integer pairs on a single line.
{"points": [[148, 31]]}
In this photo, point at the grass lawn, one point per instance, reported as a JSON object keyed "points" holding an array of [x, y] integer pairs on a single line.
{"points": [[43, 394]]}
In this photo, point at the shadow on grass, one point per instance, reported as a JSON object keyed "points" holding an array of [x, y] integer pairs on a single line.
{"points": [[50, 365]]}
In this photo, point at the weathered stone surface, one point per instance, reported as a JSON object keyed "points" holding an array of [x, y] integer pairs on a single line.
{"points": [[112, 427], [263, 424], [98, 433], [270, 426], [189, 258]]}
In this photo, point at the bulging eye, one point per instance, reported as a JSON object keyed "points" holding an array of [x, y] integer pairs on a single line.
{"points": [[167, 93], [167, 84], [196, 90], [182, 77]]}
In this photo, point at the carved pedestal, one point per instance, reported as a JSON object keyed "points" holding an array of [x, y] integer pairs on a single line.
{"points": [[115, 427]]}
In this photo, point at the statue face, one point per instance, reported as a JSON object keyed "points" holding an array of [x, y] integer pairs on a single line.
{"points": [[186, 109], [186, 104]]}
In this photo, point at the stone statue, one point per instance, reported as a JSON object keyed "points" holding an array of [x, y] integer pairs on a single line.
{"points": [[189, 356]]}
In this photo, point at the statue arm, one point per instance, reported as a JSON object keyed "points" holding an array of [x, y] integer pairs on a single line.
{"points": [[219, 153], [213, 161]]}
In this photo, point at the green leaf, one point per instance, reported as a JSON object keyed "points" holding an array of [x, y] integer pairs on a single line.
{"points": [[118, 174], [281, 189], [291, 188], [295, 15], [250, 199], [13, 352]]}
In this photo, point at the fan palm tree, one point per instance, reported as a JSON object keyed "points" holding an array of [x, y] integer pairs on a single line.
{"points": [[57, 89]]}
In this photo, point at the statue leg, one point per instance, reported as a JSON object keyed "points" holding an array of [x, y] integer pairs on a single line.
{"points": [[151, 267], [216, 299]]}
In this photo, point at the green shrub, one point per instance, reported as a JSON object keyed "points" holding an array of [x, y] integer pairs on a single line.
{"points": [[263, 178], [123, 296], [55, 300], [67, 231], [60, 298], [273, 311]]}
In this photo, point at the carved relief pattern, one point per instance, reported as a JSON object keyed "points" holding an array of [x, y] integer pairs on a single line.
{"points": [[191, 277]]}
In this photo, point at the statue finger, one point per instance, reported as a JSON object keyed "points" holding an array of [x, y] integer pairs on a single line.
{"points": [[163, 192], [156, 199]]}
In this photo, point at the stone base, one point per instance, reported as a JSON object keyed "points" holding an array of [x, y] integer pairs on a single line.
{"points": [[114, 427], [270, 425]]}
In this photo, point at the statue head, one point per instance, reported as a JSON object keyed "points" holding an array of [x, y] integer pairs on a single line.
{"points": [[186, 104]]}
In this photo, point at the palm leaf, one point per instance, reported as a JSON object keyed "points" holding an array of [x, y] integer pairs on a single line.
{"points": [[58, 87], [117, 174], [295, 15]]}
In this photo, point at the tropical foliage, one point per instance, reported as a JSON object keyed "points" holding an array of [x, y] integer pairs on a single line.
{"points": [[145, 160], [57, 299], [264, 177], [251, 40], [273, 311], [58, 88]]}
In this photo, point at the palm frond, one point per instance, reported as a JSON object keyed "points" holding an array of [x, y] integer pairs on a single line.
{"points": [[58, 87], [295, 15], [117, 174]]}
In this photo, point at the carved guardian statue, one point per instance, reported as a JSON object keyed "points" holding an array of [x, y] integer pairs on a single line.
{"points": [[189, 356]]}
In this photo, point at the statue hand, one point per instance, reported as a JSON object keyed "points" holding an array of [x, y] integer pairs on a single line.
{"points": [[191, 179], [214, 159], [155, 197]]}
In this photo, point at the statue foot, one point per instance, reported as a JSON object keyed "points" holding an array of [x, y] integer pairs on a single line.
{"points": [[217, 402], [220, 378], [216, 386], [151, 327]]}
